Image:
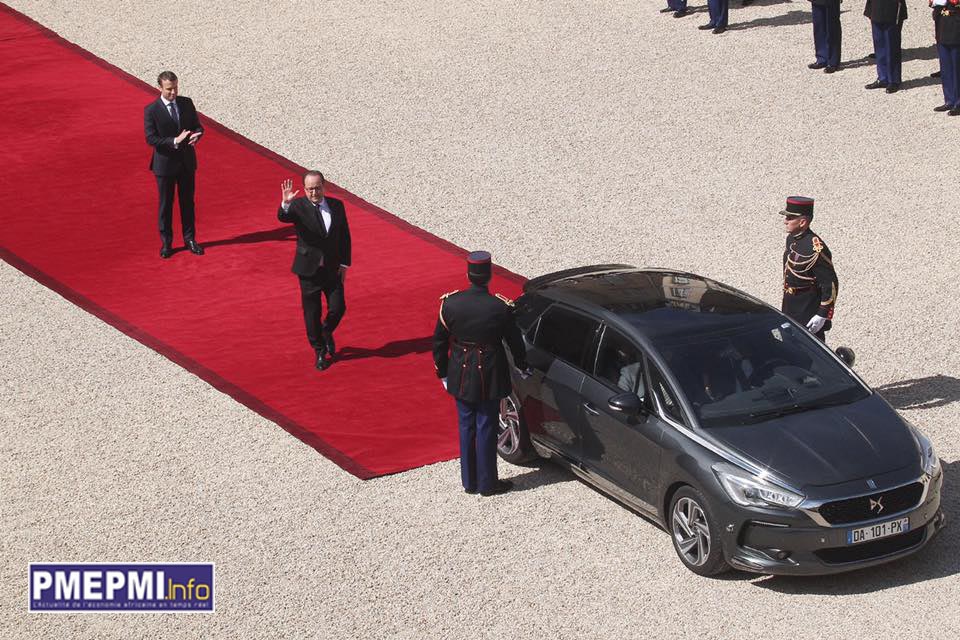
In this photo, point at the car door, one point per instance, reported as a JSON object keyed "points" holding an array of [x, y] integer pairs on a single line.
{"points": [[563, 341], [622, 449]]}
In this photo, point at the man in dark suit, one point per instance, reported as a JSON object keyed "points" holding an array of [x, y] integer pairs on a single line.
{"points": [[468, 343], [321, 260], [172, 127]]}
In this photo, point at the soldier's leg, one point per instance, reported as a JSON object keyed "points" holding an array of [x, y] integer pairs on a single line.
{"points": [[835, 33], [820, 32], [488, 417], [467, 416]]}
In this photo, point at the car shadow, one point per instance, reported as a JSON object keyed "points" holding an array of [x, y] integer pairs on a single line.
{"points": [[542, 473], [921, 393], [939, 559]]}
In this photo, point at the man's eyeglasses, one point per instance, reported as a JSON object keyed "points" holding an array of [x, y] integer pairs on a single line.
{"points": [[313, 188]]}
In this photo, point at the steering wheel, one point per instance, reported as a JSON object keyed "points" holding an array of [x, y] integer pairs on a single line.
{"points": [[757, 377]]}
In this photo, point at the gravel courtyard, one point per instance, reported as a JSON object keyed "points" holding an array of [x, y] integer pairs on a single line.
{"points": [[553, 134]]}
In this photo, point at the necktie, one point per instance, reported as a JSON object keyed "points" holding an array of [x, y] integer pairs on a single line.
{"points": [[173, 113]]}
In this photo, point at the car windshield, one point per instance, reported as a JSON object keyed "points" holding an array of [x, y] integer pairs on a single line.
{"points": [[757, 372]]}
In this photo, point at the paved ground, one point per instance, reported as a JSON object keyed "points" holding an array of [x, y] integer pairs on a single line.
{"points": [[555, 134]]}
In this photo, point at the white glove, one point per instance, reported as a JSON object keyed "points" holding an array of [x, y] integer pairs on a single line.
{"points": [[443, 381], [816, 323]]}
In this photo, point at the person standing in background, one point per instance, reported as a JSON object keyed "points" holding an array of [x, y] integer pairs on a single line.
{"points": [[827, 35], [172, 127], [886, 21]]}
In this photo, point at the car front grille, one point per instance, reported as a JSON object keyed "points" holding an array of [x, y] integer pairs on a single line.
{"points": [[873, 506], [870, 550]]}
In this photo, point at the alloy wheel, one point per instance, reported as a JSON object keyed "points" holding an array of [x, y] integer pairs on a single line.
{"points": [[508, 431], [691, 531]]}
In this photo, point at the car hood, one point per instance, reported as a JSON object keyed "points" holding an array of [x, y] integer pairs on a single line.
{"points": [[826, 446]]}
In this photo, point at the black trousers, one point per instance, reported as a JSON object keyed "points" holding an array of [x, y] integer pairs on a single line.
{"points": [[325, 282], [803, 306], [183, 183]]}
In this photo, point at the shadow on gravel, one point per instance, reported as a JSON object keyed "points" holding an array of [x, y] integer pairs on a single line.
{"points": [[939, 559], [913, 53], [922, 393], [541, 474], [788, 19]]}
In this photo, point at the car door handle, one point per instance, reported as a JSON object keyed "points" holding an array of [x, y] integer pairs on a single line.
{"points": [[590, 409]]}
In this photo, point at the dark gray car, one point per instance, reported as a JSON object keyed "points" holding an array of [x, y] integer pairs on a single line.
{"points": [[721, 419]]}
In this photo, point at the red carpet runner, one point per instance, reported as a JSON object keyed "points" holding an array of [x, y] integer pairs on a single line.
{"points": [[79, 216]]}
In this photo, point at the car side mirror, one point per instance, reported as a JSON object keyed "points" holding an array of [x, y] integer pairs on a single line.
{"points": [[627, 403], [847, 355]]}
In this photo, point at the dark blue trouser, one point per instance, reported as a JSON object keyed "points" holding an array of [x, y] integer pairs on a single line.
{"points": [[677, 5], [886, 44], [478, 443], [719, 9], [950, 73], [826, 32]]}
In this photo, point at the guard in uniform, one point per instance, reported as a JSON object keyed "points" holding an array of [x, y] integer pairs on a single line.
{"points": [[827, 35], [719, 12], [946, 16], [809, 281], [886, 21], [472, 364]]}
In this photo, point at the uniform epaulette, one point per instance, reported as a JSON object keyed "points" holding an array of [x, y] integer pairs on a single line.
{"points": [[449, 293], [507, 301], [817, 244]]}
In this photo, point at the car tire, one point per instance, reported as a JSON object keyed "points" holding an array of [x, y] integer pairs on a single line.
{"points": [[695, 533], [513, 439]]}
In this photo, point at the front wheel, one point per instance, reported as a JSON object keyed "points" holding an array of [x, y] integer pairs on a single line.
{"points": [[696, 538], [513, 440]]}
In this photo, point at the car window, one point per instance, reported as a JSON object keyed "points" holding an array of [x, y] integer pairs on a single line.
{"points": [[665, 397], [620, 363], [566, 334], [527, 310]]}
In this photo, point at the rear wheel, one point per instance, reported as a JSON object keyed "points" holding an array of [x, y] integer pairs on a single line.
{"points": [[695, 535], [513, 440]]}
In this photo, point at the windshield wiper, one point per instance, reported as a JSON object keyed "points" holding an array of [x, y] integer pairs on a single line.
{"points": [[796, 407]]}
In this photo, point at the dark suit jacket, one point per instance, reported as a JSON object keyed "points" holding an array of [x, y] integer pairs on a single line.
{"points": [[160, 129], [314, 244]]}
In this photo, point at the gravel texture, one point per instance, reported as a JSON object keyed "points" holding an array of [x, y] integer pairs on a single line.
{"points": [[554, 134]]}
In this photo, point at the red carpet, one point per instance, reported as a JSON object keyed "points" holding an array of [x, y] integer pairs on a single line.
{"points": [[79, 216]]}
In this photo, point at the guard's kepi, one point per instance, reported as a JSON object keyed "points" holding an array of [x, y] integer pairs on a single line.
{"points": [[133, 587]]}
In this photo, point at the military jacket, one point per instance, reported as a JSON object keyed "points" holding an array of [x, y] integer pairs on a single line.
{"points": [[886, 11], [468, 344], [810, 282], [948, 25]]}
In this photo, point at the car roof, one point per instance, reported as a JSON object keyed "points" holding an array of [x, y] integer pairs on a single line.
{"points": [[657, 302]]}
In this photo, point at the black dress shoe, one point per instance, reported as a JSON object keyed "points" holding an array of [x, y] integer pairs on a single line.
{"points": [[195, 248], [942, 108], [872, 56], [935, 74], [954, 112], [706, 27], [893, 88], [816, 65], [331, 345], [719, 30], [666, 10], [322, 362], [470, 492], [681, 14], [746, 3], [831, 69], [876, 84], [502, 486], [166, 251]]}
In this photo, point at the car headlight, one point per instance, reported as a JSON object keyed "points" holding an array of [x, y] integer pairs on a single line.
{"points": [[754, 491], [928, 457]]}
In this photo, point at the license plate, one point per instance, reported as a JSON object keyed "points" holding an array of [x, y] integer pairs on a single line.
{"points": [[881, 530]]}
